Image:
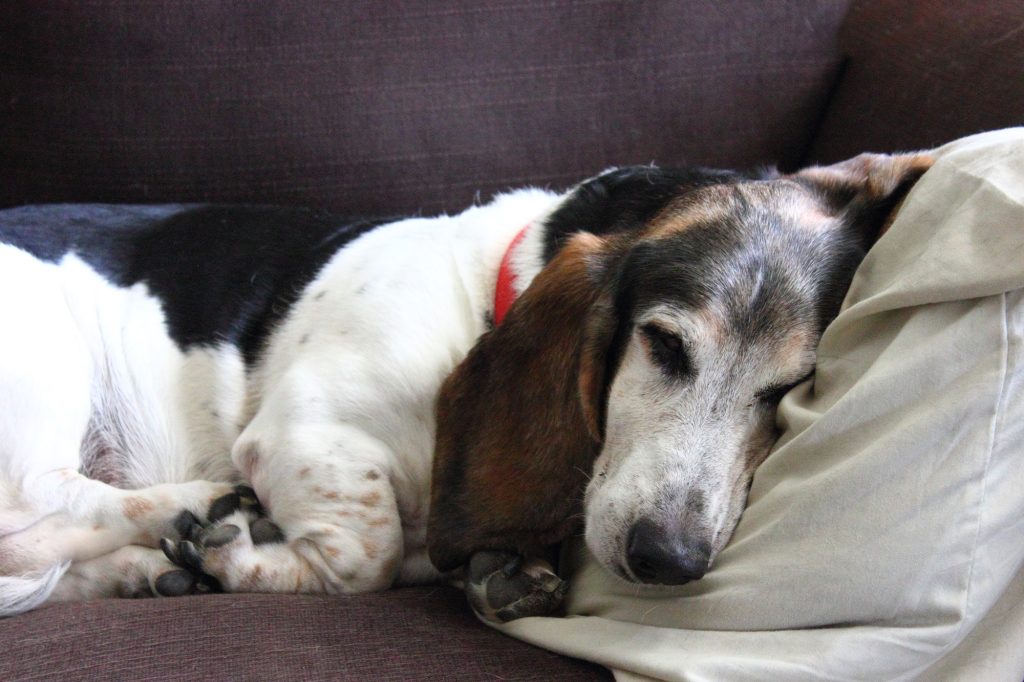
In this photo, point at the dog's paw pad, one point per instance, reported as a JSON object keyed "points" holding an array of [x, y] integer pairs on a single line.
{"points": [[248, 502], [174, 583], [219, 536], [185, 522], [223, 507], [190, 553], [503, 586], [206, 584], [264, 531], [191, 557]]}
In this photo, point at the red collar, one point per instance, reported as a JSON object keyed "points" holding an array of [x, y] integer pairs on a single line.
{"points": [[504, 291]]}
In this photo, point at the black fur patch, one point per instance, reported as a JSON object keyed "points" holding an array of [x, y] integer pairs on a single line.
{"points": [[623, 200], [224, 274]]}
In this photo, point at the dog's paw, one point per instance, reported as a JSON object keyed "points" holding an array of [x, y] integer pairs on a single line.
{"points": [[205, 552], [502, 586]]}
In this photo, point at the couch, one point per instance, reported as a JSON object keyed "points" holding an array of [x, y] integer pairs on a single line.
{"points": [[385, 108]]}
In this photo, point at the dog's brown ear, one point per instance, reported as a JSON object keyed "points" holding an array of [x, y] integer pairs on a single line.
{"points": [[867, 188], [519, 420]]}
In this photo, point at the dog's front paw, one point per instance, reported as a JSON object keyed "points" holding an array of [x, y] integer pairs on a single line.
{"points": [[206, 553], [502, 586]]}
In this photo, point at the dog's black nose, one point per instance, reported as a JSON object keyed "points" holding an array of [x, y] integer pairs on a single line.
{"points": [[666, 558]]}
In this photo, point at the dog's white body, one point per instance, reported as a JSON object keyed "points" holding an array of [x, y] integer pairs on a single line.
{"points": [[92, 389]]}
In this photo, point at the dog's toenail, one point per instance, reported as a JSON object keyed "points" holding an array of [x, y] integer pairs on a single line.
{"points": [[190, 555], [170, 551]]}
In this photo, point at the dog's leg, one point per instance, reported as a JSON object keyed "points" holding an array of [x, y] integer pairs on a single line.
{"points": [[89, 519], [336, 525], [130, 571]]}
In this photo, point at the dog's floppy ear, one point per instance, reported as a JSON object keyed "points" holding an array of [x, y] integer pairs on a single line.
{"points": [[519, 420], [866, 189]]}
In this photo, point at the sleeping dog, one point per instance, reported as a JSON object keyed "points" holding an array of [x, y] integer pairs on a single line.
{"points": [[198, 397]]}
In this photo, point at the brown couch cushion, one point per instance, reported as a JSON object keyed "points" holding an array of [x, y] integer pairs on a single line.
{"points": [[375, 107], [923, 73], [405, 634]]}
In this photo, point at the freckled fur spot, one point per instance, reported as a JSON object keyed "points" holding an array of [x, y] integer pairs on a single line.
{"points": [[304, 472], [330, 494], [370, 499], [136, 507], [371, 475], [332, 552], [372, 550], [378, 522]]}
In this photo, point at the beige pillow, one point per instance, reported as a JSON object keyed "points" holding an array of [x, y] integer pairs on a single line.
{"points": [[884, 537]]}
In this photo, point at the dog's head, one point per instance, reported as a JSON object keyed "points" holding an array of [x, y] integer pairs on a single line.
{"points": [[633, 386]]}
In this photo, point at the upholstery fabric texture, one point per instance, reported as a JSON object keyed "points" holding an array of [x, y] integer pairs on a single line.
{"points": [[382, 108], [404, 634], [920, 74]]}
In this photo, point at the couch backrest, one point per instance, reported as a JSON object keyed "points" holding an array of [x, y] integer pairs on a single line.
{"points": [[923, 72], [389, 107]]}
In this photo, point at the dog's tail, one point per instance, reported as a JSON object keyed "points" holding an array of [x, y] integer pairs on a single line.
{"points": [[20, 592], [25, 592]]}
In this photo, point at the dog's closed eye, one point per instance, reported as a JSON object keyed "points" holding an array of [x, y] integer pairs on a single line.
{"points": [[669, 351], [773, 394]]}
